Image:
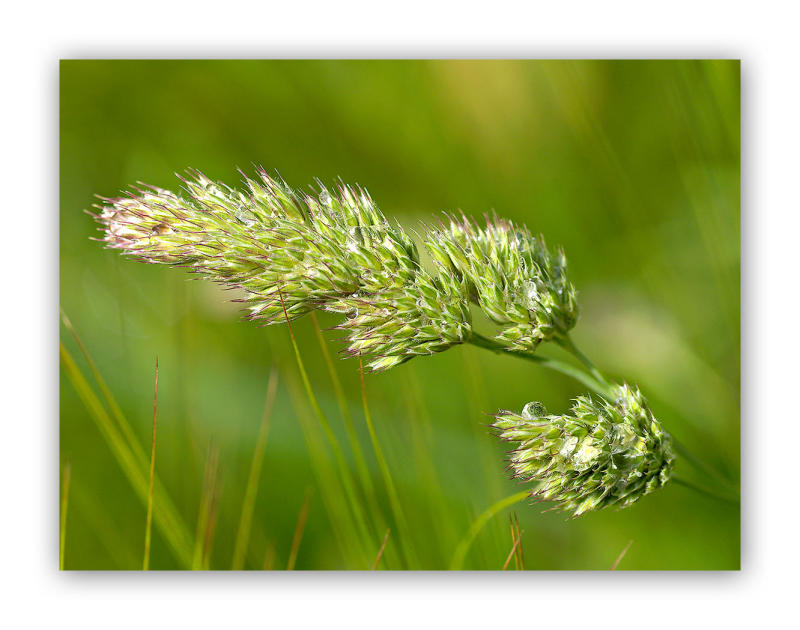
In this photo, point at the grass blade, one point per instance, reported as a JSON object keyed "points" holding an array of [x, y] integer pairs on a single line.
{"points": [[361, 465], [298, 531], [116, 412], [341, 399], [146, 561], [206, 517], [380, 551], [463, 547], [514, 545], [344, 472], [165, 515], [394, 501], [248, 504], [65, 479], [621, 556], [269, 557]]}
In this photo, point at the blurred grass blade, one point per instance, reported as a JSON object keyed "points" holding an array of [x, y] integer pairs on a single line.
{"points": [[116, 412], [251, 491], [394, 501], [621, 556], [341, 399], [520, 548], [514, 545], [463, 547], [98, 518], [269, 557], [364, 535], [333, 496], [149, 521], [298, 531], [65, 479], [380, 551], [206, 518], [165, 515]]}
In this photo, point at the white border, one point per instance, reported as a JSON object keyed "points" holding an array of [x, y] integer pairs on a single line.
{"points": [[762, 34]]}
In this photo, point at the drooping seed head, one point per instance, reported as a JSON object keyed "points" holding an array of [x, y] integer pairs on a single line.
{"points": [[600, 454]]}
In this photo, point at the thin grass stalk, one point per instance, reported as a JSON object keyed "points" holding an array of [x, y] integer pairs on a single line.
{"points": [[478, 524], [380, 551], [205, 515], [435, 498], [341, 399], [269, 557], [361, 465], [65, 479], [621, 556], [545, 362], [149, 522], [475, 386], [344, 470], [165, 515], [705, 491], [520, 547], [299, 529], [333, 495], [394, 500], [513, 552], [249, 501]]}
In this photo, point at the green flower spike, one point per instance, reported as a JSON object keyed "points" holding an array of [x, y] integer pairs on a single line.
{"points": [[601, 454]]}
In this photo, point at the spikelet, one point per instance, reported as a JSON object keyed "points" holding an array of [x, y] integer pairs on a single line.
{"points": [[600, 454], [512, 276]]}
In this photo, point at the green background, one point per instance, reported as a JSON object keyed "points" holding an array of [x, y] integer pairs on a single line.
{"points": [[633, 167]]}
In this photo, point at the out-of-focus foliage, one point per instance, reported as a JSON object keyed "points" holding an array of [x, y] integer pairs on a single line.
{"points": [[631, 167]]}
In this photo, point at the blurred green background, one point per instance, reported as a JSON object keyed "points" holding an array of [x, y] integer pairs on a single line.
{"points": [[633, 167]]}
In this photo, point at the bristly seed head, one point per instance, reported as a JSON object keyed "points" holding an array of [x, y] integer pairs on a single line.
{"points": [[292, 253], [517, 282], [600, 454]]}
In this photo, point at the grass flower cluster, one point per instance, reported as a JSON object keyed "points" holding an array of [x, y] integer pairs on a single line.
{"points": [[602, 453], [293, 253]]}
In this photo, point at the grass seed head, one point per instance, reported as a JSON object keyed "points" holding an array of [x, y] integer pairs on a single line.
{"points": [[512, 276], [292, 253], [600, 454]]}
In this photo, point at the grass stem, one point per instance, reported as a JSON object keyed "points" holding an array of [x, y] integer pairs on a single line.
{"points": [[380, 551], [621, 555], [344, 471], [149, 521], [251, 490], [394, 500], [299, 529], [478, 524], [65, 479], [546, 362]]}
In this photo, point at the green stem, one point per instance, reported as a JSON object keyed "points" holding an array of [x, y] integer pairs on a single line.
{"points": [[703, 490], [596, 385], [569, 345]]}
